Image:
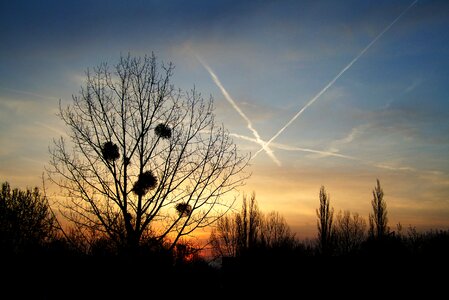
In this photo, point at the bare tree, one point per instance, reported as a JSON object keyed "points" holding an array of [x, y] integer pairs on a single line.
{"points": [[142, 155], [275, 232], [378, 221], [248, 225], [325, 216], [241, 232], [223, 237], [350, 231], [235, 234]]}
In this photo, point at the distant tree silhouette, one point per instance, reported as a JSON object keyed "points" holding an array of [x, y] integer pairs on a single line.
{"points": [[249, 230], [223, 237], [276, 233], [143, 156], [234, 234], [378, 220], [350, 232], [325, 216], [26, 221], [248, 223]]}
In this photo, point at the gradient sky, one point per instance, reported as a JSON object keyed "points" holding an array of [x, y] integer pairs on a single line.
{"points": [[386, 117]]}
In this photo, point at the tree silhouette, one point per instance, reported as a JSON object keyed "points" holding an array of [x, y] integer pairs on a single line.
{"points": [[243, 232], [350, 232], [143, 156], [378, 221], [275, 232], [223, 237], [26, 221], [248, 225], [234, 235], [325, 216]]}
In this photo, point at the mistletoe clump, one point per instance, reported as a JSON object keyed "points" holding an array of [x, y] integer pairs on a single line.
{"points": [[183, 209], [146, 182], [110, 152], [163, 131]]}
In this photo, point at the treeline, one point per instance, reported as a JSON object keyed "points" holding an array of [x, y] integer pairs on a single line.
{"points": [[40, 259], [349, 256], [247, 244], [28, 225], [252, 234]]}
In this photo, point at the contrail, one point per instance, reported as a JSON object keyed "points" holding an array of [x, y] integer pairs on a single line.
{"points": [[329, 153], [333, 80], [241, 113], [28, 93], [52, 128], [290, 148]]}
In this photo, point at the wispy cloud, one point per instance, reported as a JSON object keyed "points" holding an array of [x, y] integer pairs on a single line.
{"points": [[349, 138], [393, 168], [311, 101], [51, 128], [355, 132], [239, 111]]}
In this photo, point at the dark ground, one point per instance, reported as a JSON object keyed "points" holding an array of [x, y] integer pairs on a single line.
{"points": [[55, 277]]}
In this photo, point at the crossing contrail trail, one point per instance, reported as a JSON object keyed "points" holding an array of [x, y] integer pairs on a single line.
{"points": [[265, 145], [291, 148], [240, 112], [28, 93], [332, 154]]}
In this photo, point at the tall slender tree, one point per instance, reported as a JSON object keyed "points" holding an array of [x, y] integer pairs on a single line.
{"points": [[325, 216], [378, 220], [248, 225]]}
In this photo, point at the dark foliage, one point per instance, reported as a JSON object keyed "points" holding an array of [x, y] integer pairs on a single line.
{"points": [[26, 221], [146, 182], [110, 151], [163, 131], [183, 209]]}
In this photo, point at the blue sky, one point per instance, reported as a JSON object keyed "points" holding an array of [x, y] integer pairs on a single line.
{"points": [[386, 117]]}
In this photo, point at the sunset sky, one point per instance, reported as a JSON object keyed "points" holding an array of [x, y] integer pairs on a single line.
{"points": [[364, 85]]}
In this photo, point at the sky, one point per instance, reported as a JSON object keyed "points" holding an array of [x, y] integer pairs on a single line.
{"points": [[327, 93]]}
